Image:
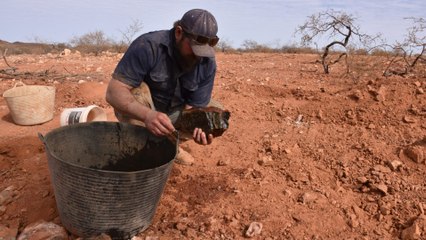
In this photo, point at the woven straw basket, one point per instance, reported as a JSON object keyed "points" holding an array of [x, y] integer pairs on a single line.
{"points": [[30, 105]]}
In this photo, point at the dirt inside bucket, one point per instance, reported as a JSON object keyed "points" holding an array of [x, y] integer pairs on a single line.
{"points": [[153, 155]]}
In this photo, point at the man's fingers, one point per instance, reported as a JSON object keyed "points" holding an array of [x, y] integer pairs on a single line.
{"points": [[163, 127], [167, 124], [159, 123], [201, 138], [196, 134], [210, 139], [161, 130]]}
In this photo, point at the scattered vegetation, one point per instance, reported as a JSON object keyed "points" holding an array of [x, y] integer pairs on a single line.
{"points": [[224, 45], [253, 46], [334, 35], [129, 34], [406, 55], [92, 42], [97, 42], [17, 48], [339, 28]]}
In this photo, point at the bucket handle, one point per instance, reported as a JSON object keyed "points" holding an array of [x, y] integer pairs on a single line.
{"points": [[174, 137], [41, 137], [19, 83]]}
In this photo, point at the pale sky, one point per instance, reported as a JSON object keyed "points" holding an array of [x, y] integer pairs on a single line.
{"points": [[271, 22]]}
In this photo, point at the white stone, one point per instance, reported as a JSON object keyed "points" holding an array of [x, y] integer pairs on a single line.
{"points": [[254, 229]]}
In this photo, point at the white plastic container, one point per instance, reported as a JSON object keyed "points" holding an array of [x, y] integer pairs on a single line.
{"points": [[90, 113]]}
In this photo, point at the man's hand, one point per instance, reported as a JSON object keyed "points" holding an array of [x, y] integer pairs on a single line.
{"points": [[201, 138], [158, 123]]}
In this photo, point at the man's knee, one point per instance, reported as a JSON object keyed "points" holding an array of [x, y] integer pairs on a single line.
{"points": [[214, 103], [142, 95]]}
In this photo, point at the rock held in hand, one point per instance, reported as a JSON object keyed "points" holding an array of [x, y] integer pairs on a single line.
{"points": [[211, 120]]}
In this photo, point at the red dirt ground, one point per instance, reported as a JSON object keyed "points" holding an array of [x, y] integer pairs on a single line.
{"points": [[307, 155]]}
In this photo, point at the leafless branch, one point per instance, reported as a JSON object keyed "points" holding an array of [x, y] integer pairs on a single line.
{"points": [[13, 69], [337, 26], [409, 53]]}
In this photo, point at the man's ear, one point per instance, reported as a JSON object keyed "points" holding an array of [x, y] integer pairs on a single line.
{"points": [[178, 33]]}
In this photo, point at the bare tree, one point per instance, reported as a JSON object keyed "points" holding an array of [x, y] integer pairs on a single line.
{"points": [[224, 45], [13, 69], [411, 51], [95, 42], [253, 46], [337, 26], [250, 45], [129, 33]]}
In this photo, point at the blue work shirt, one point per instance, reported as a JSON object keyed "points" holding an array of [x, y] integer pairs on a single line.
{"points": [[150, 59]]}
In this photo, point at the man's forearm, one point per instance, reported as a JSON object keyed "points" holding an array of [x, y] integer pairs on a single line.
{"points": [[119, 96]]}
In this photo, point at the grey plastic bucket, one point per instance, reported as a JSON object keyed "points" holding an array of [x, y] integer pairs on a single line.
{"points": [[107, 177]]}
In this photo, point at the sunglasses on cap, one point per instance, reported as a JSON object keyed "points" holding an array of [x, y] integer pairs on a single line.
{"points": [[201, 40]]}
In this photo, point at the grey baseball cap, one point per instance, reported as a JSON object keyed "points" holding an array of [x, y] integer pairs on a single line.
{"points": [[202, 25]]}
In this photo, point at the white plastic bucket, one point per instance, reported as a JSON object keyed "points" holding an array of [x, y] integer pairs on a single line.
{"points": [[90, 113]]}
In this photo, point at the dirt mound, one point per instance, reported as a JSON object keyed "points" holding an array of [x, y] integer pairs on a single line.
{"points": [[306, 155]]}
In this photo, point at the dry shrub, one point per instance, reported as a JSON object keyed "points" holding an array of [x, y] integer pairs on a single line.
{"points": [[17, 48]]}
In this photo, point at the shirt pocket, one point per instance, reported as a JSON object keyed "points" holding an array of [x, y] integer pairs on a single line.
{"points": [[189, 82], [159, 79]]}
